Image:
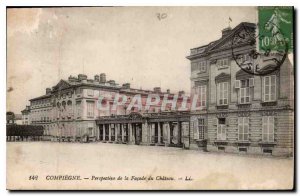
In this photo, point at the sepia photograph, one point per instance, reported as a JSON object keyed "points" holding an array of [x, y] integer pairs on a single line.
{"points": [[150, 98]]}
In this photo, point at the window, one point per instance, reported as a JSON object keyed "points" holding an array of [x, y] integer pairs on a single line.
{"points": [[221, 134], [69, 107], [269, 88], [78, 91], [222, 63], [194, 67], [243, 58], [222, 93], [202, 94], [268, 129], [200, 91], [243, 125], [90, 92], [90, 109], [78, 108], [201, 128], [202, 66], [199, 66], [90, 129], [244, 93]]}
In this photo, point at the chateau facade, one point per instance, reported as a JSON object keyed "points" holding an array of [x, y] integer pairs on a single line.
{"points": [[239, 113], [242, 112]]}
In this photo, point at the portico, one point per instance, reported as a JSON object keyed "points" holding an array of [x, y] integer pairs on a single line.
{"points": [[161, 129]]}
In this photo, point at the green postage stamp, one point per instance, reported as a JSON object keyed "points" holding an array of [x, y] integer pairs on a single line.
{"points": [[275, 28]]}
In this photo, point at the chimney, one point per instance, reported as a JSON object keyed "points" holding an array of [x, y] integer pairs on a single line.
{"points": [[168, 91], [82, 77], [111, 82], [71, 78], [181, 93], [126, 85], [96, 78], [48, 91], [226, 31], [102, 78], [157, 89]]}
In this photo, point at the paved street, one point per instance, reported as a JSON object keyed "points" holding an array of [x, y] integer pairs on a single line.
{"points": [[171, 168]]}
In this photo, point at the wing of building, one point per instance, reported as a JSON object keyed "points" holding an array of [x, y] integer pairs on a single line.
{"points": [[242, 113], [69, 112]]}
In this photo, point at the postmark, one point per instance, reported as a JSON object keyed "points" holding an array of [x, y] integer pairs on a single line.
{"points": [[266, 50]]}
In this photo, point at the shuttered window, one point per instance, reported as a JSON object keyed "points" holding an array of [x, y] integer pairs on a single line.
{"points": [[244, 95], [201, 128], [222, 63], [243, 128], [269, 88], [268, 129], [222, 93], [221, 133], [90, 109], [78, 108], [200, 92], [194, 127], [202, 66]]}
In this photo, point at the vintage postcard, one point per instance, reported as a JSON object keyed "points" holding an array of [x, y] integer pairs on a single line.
{"points": [[150, 98]]}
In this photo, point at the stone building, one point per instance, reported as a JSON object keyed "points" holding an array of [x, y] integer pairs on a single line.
{"points": [[26, 116], [237, 112], [69, 111], [242, 112], [41, 112]]}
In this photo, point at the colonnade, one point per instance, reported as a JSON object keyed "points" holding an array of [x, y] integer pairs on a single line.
{"points": [[145, 133]]}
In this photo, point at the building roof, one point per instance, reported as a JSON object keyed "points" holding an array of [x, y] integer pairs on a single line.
{"points": [[40, 97], [26, 110], [205, 49]]}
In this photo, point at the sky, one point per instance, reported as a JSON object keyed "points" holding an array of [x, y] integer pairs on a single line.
{"points": [[129, 44]]}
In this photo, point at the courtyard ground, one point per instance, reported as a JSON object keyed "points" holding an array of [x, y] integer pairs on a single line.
{"points": [[35, 165]]}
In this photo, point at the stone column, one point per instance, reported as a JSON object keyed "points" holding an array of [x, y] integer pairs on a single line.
{"points": [[98, 132], [169, 133], [109, 132], [152, 132], [159, 133], [123, 134], [133, 135], [129, 133], [116, 132], [179, 133], [148, 133], [103, 132], [145, 132]]}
